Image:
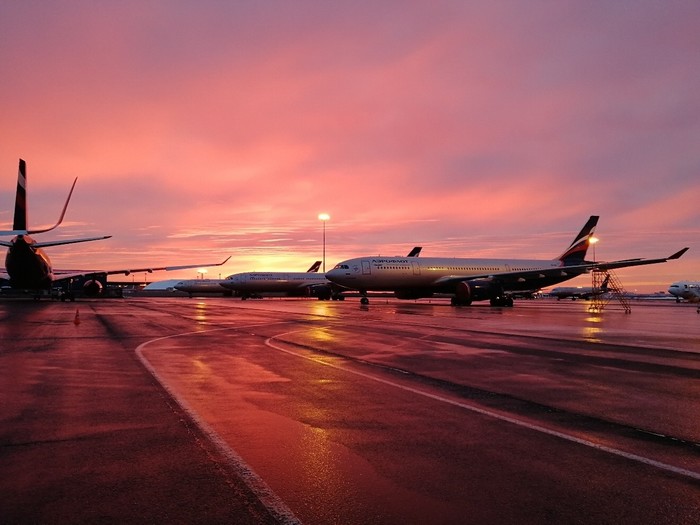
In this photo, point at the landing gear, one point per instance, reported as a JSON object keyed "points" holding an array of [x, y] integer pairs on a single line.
{"points": [[505, 300], [456, 301], [66, 296], [364, 301]]}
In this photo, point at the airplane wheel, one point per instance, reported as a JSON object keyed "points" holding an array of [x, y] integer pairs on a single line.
{"points": [[364, 300]]}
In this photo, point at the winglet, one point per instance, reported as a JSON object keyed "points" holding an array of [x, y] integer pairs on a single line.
{"points": [[678, 254], [63, 212], [186, 266], [20, 225], [415, 252]]}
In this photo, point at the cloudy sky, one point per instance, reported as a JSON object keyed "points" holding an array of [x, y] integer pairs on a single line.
{"points": [[199, 130]]}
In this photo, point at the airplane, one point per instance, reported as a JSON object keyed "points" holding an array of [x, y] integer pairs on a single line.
{"points": [[467, 280], [290, 284], [200, 286], [688, 290], [28, 268], [579, 292]]}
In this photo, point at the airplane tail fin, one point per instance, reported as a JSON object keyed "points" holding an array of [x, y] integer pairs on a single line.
{"points": [[314, 267], [576, 253], [20, 220]]}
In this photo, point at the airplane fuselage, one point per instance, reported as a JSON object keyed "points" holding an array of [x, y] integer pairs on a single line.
{"points": [[28, 266], [575, 292], [429, 275], [200, 286], [274, 282]]}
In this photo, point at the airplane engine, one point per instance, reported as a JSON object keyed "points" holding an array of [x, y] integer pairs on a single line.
{"points": [[322, 292], [92, 288], [477, 290]]}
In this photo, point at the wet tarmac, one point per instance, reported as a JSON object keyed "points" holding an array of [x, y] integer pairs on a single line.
{"points": [[285, 411]]}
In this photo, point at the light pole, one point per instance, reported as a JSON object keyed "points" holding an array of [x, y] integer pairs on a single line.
{"points": [[323, 217]]}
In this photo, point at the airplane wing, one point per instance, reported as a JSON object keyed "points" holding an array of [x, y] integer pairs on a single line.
{"points": [[636, 262], [63, 275], [520, 276]]}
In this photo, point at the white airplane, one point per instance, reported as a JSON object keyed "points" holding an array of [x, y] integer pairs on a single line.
{"points": [[200, 286], [688, 290], [28, 268], [579, 292], [470, 280]]}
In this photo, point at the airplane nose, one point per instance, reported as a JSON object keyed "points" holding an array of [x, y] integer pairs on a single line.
{"points": [[332, 274]]}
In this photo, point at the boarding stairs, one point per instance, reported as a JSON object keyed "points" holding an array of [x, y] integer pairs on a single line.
{"points": [[615, 291]]}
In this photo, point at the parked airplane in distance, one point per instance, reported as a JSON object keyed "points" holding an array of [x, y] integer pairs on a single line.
{"points": [[28, 268], [470, 280], [207, 286], [688, 290], [579, 292], [290, 284]]}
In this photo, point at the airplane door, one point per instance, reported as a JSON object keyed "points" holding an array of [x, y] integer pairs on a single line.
{"points": [[416, 268], [365, 267]]}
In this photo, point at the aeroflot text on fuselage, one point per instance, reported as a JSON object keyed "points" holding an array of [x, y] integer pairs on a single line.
{"points": [[390, 261]]}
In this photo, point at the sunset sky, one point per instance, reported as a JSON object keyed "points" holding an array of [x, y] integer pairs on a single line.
{"points": [[199, 130]]}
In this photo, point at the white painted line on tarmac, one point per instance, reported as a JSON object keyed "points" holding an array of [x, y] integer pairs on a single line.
{"points": [[495, 415], [274, 504]]}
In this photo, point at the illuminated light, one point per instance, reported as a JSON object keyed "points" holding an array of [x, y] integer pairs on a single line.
{"points": [[592, 241]]}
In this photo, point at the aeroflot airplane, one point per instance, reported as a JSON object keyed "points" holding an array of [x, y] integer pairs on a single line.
{"points": [[470, 280], [303, 284], [28, 268]]}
